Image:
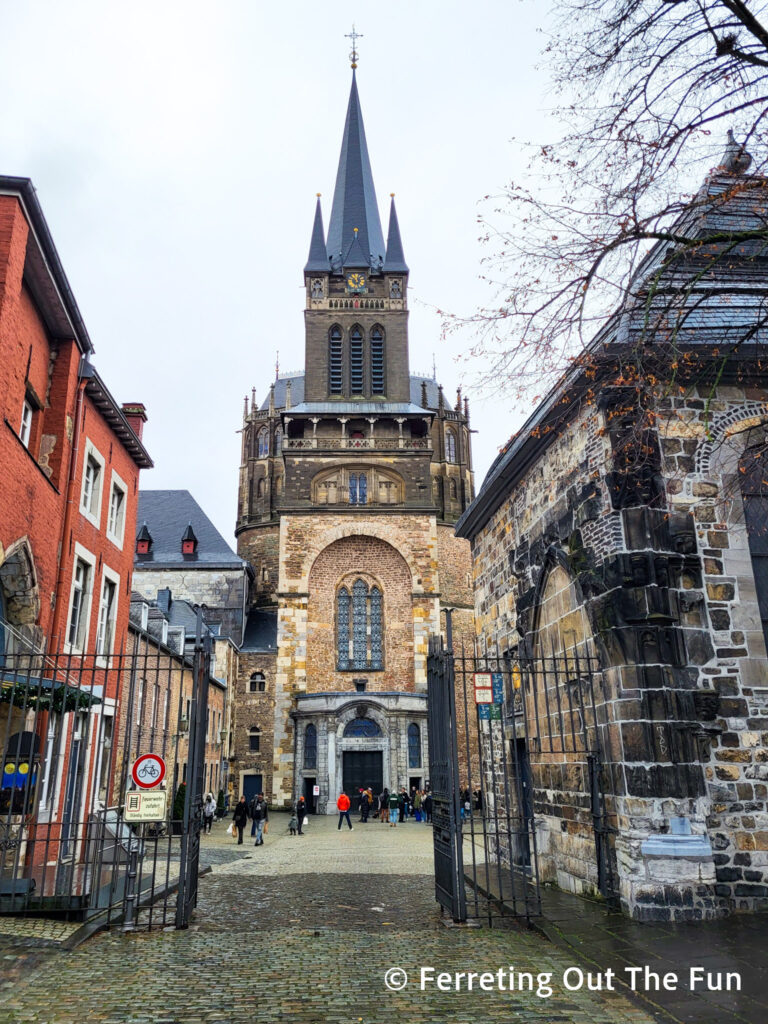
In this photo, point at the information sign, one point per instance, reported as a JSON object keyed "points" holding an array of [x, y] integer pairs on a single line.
{"points": [[142, 806], [483, 688]]}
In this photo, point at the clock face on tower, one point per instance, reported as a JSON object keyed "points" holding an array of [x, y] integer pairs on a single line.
{"points": [[356, 282]]}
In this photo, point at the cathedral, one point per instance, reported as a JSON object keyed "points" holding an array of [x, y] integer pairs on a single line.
{"points": [[353, 475]]}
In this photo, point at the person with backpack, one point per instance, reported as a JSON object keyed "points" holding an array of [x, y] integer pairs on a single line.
{"points": [[343, 805], [259, 813]]}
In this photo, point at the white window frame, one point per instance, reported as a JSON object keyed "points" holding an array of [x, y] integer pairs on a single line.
{"points": [[27, 415], [86, 607], [110, 575], [117, 484], [92, 510]]}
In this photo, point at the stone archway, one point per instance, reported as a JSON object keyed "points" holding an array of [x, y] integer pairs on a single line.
{"points": [[21, 596]]}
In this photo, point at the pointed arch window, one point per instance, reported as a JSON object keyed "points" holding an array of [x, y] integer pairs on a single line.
{"points": [[278, 441], [359, 629], [754, 492], [377, 361], [450, 446], [310, 747], [262, 443], [356, 375], [335, 363], [414, 746]]}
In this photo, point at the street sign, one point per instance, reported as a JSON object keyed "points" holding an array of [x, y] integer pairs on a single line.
{"points": [[315, 791], [145, 806], [483, 688], [498, 687], [489, 712], [148, 771]]}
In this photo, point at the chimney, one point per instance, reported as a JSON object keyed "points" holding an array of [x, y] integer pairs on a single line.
{"points": [[136, 415], [423, 394], [164, 601]]}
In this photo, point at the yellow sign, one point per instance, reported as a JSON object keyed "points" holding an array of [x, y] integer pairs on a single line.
{"points": [[148, 805]]}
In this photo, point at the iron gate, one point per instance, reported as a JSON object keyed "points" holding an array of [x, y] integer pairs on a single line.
{"points": [[521, 783], [71, 726]]}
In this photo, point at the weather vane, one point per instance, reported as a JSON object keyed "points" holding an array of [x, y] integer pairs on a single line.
{"points": [[354, 36]]}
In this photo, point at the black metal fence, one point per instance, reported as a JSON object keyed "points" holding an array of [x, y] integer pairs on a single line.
{"points": [[528, 790], [71, 726]]}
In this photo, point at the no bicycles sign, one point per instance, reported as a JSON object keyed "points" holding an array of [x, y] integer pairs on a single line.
{"points": [[148, 770]]}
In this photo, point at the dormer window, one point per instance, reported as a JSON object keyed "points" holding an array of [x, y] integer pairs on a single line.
{"points": [[143, 541], [189, 541]]}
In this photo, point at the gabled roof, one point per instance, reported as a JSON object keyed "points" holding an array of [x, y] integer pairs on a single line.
{"points": [[354, 198], [168, 515]]}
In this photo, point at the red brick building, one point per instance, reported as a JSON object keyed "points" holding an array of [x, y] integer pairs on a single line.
{"points": [[70, 458]]}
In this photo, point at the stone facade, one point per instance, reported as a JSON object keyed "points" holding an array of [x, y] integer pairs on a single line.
{"points": [[628, 535], [352, 476]]}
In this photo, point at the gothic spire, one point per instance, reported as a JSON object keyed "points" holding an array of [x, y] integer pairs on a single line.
{"points": [[354, 198], [317, 261], [395, 260]]}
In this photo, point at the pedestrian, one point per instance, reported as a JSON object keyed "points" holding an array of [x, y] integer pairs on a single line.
{"points": [[343, 805], [466, 798], [301, 813], [417, 805], [394, 807], [260, 815], [240, 818], [209, 809], [364, 806], [427, 807], [293, 824], [384, 804]]}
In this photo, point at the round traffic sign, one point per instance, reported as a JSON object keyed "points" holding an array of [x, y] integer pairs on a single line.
{"points": [[148, 770]]}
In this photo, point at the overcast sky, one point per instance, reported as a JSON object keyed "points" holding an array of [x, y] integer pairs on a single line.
{"points": [[177, 147]]}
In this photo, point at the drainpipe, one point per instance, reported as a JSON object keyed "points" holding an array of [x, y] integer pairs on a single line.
{"points": [[69, 499]]}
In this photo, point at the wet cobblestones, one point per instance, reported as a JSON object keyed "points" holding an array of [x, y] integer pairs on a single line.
{"points": [[311, 945]]}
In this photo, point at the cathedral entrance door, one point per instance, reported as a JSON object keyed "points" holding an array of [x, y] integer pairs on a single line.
{"points": [[362, 768]]}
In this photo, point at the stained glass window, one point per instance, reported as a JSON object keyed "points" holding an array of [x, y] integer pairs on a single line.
{"points": [[362, 727], [414, 746], [310, 747], [376, 651], [353, 488], [359, 625], [450, 446], [263, 443], [362, 489], [342, 625]]}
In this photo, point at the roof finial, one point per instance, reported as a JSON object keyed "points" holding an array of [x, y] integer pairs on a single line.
{"points": [[277, 363], [354, 36], [434, 367], [736, 159]]}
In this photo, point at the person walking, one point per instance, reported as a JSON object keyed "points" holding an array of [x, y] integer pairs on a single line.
{"points": [[240, 818], [343, 805], [209, 809], [301, 813], [260, 815], [394, 809]]}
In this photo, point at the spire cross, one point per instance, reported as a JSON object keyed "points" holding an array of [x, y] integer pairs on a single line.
{"points": [[354, 36]]}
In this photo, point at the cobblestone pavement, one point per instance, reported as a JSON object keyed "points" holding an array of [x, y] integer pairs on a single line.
{"points": [[303, 930]]}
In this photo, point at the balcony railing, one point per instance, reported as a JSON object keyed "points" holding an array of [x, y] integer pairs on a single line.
{"points": [[422, 444]]}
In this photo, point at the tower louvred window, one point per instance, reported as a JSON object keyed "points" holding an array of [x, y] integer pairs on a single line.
{"points": [[377, 361], [356, 375], [335, 364]]}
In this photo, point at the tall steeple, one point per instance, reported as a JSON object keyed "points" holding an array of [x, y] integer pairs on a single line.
{"points": [[395, 259], [317, 261], [355, 238]]}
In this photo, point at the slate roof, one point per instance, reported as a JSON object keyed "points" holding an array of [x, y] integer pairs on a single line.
{"points": [[354, 198], [297, 394], [167, 515], [395, 259], [260, 631]]}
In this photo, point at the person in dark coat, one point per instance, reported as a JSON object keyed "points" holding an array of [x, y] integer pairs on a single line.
{"points": [[384, 805], [427, 805], [301, 813], [364, 806], [240, 818]]}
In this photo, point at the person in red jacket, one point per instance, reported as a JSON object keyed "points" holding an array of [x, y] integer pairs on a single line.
{"points": [[343, 804]]}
